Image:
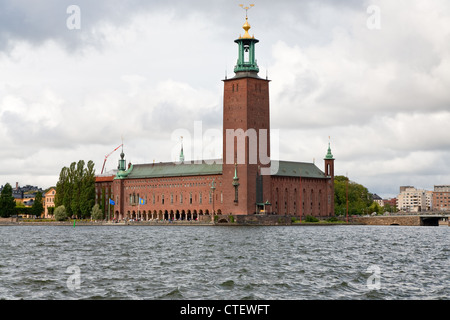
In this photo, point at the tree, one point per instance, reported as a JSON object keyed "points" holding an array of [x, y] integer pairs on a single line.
{"points": [[60, 191], [96, 213], [38, 207], [389, 208], [76, 189], [77, 180], [7, 202], [375, 207], [61, 213], [51, 211], [359, 198], [87, 194]]}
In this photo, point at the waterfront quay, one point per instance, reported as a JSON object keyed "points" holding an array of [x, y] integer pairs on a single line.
{"points": [[434, 219]]}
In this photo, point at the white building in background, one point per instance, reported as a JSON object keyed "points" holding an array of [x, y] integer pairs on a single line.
{"points": [[411, 199], [378, 200]]}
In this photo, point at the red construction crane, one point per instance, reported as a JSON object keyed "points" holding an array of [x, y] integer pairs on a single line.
{"points": [[106, 157]]}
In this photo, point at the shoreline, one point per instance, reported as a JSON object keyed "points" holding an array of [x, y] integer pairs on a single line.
{"points": [[167, 223], [225, 221]]}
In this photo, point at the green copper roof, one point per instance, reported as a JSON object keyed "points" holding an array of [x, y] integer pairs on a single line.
{"points": [[329, 155], [171, 169], [297, 169]]}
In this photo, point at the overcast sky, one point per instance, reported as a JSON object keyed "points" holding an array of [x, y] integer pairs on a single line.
{"points": [[376, 82]]}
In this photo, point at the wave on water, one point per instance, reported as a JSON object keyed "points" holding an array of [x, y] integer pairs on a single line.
{"points": [[174, 294]]}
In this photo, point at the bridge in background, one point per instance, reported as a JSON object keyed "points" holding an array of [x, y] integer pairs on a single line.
{"points": [[431, 219]]}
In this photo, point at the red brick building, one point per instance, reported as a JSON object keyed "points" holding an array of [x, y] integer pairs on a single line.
{"points": [[245, 182], [441, 198]]}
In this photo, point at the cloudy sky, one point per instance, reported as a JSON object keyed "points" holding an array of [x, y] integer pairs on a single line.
{"points": [[372, 75]]}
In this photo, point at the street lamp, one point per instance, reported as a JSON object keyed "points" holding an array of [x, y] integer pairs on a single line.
{"points": [[213, 188], [266, 204]]}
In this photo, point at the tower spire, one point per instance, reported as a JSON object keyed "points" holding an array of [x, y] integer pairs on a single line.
{"points": [[246, 59], [182, 152], [329, 155]]}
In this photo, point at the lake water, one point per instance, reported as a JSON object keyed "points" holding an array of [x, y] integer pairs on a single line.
{"points": [[222, 263]]}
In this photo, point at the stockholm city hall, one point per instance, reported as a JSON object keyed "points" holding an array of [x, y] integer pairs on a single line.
{"points": [[242, 183]]}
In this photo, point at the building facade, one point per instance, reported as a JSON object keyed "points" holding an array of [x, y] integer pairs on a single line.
{"points": [[441, 198], [245, 181], [49, 201], [411, 199]]}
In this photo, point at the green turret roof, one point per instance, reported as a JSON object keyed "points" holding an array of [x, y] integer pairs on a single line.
{"points": [[329, 155]]}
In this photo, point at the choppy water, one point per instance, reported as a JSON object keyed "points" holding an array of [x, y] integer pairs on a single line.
{"points": [[221, 263]]}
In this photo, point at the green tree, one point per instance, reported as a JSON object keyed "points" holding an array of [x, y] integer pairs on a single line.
{"points": [[87, 194], [359, 198], [77, 181], [61, 213], [60, 191], [96, 213], [7, 202], [37, 208], [76, 189], [51, 211], [389, 208], [375, 207]]}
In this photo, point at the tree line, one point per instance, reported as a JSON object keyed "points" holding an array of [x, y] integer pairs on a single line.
{"points": [[9, 207], [360, 200]]}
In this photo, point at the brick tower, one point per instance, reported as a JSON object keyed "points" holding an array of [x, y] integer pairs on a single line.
{"points": [[329, 172], [246, 134]]}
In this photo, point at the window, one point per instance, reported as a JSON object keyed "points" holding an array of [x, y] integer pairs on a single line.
{"points": [[190, 198], [200, 198]]}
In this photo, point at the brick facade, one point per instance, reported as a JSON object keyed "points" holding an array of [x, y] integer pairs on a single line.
{"points": [[246, 160]]}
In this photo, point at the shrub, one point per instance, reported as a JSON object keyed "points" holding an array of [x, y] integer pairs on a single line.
{"points": [[97, 213], [311, 219], [60, 213], [295, 220]]}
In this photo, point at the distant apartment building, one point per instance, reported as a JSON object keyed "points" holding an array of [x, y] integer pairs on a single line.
{"points": [[378, 200], [441, 198], [411, 199]]}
